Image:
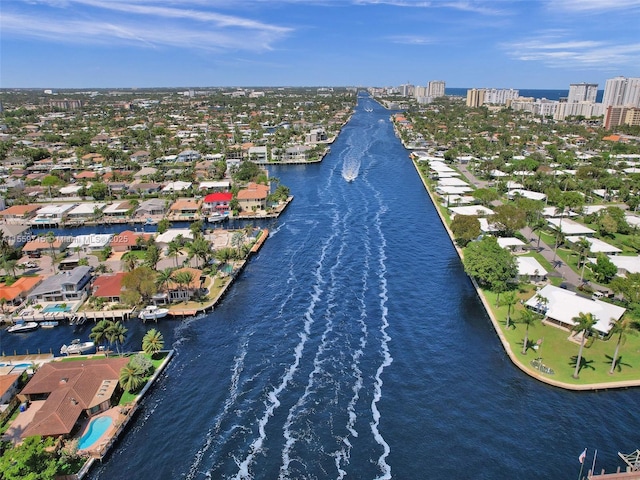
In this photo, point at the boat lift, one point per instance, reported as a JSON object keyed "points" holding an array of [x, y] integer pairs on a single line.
{"points": [[631, 459]]}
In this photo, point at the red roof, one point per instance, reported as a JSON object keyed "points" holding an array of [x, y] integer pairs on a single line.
{"points": [[218, 197], [108, 286]]}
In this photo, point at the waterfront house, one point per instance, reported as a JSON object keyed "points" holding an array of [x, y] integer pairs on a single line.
{"points": [[108, 286], [72, 392], [153, 206], [18, 292], [185, 209], [9, 386], [218, 202], [16, 235], [86, 211], [296, 154], [560, 306], [117, 210], [19, 214], [163, 239], [52, 215], [253, 197], [63, 287], [175, 292]]}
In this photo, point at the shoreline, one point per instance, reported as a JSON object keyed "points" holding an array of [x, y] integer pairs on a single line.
{"points": [[505, 344]]}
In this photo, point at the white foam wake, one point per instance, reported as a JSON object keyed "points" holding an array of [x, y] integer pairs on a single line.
{"points": [[273, 402], [384, 345]]}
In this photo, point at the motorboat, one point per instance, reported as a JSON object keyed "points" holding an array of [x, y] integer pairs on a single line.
{"points": [[49, 324], [215, 217], [77, 347], [153, 312], [21, 326]]}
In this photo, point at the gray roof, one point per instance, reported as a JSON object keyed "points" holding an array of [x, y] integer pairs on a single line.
{"points": [[54, 283]]}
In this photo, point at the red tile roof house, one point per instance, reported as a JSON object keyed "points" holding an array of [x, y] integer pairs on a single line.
{"points": [[8, 389], [72, 391], [218, 201], [108, 286]]}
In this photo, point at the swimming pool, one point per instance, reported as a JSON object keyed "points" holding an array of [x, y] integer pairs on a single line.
{"points": [[96, 428], [19, 365], [58, 307]]}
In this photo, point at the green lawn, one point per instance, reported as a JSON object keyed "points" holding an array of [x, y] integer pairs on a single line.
{"points": [[560, 354]]}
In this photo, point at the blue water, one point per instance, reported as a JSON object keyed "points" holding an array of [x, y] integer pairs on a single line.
{"points": [[56, 308], [354, 346], [96, 428]]}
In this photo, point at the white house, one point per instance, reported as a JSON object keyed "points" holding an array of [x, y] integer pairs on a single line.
{"points": [[530, 268], [564, 305]]}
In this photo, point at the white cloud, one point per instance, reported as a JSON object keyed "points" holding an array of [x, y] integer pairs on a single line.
{"points": [[411, 40], [138, 23], [592, 5], [554, 50]]}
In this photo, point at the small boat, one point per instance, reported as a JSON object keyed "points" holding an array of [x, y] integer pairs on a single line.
{"points": [[49, 324], [21, 326], [76, 347], [150, 221], [153, 312], [215, 217]]}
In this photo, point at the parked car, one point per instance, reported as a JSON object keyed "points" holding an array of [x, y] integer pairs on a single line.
{"points": [[30, 265]]}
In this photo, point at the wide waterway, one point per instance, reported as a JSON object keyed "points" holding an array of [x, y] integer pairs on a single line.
{"points": [[354, 346]]}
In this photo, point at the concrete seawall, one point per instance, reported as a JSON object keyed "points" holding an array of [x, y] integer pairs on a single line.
{"points": [[507, 347]]}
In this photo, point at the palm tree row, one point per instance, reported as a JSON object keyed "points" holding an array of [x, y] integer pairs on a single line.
{"points": [[111, 331]]}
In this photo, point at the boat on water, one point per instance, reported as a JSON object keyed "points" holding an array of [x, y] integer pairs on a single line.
{"points": [[21, 326], [153, 312], [49, 324], [215, 217], [77, 347]]}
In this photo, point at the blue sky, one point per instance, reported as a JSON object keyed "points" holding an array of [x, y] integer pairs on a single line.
{"points": [[199, 43]]}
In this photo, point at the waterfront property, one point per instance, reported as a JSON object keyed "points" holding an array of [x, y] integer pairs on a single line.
{"points": [[63, 287], [71, 391], [561, 307]]}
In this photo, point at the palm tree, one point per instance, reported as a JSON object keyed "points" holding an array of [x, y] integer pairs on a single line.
{"points": [[152, 342], [509, 299], [527, 318], [51, 239], [99, 332], [584, 324], [621, 328], [131, 378], [152, 256], [174, 248], [116, 333], [583, 246], [129, 261], [183, 278], [199, 248], [164, 277]]}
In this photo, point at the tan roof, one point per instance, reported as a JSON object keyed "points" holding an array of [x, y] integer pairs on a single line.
{"points": [[185, 204], [20, 210], [254, 191]]}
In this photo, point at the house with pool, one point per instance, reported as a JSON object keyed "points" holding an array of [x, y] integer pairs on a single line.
{"points": [[66, 394]]}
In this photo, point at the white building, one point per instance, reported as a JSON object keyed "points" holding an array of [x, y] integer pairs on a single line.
{"points": [[621, 91], [582, 92], [563, 306]]}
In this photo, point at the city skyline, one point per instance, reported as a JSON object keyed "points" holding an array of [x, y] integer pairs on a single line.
{"points": [[467, 44]]}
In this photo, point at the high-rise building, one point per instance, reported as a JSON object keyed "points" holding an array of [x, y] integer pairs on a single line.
{"points": [[582, 92], [617, 115], [436, 88], [475, 97], [621, 92]]}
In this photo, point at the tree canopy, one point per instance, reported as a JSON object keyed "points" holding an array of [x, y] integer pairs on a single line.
{"points": [[489, 264]]}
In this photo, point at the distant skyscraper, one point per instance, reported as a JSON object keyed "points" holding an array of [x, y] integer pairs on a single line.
{"points": [[475, 97], [622, 92], [582, 92], [436, 89]]}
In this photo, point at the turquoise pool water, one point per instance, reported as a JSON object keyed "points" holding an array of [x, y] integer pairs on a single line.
{"points": [[96, 428], [58, 307], [19, 365]]}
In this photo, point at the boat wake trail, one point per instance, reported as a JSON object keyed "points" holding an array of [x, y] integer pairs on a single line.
{"points": [[273, 396]]}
